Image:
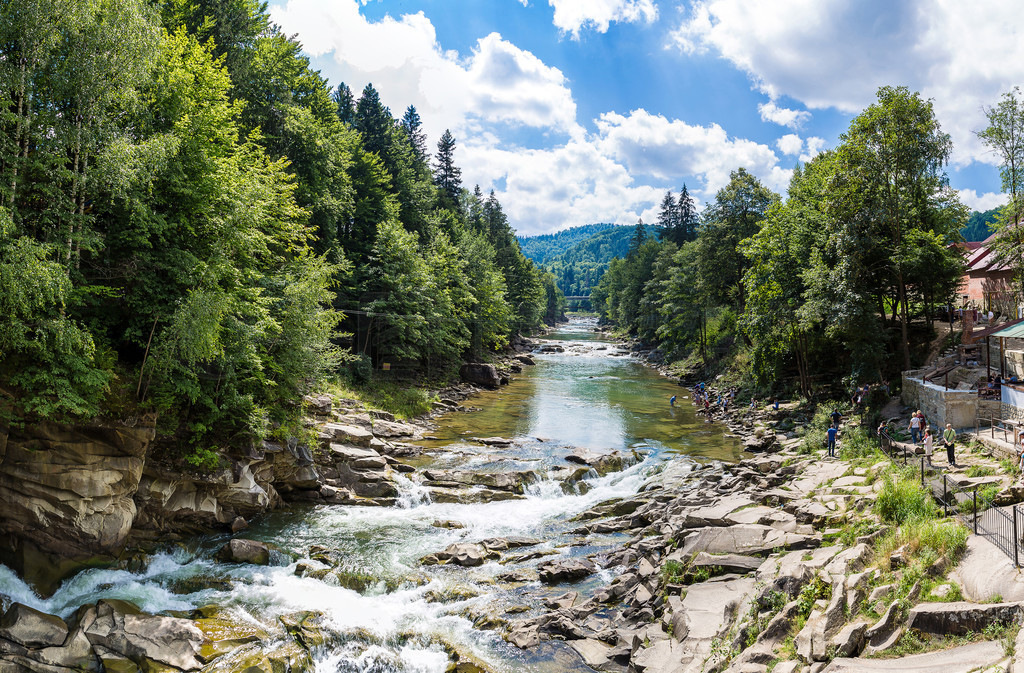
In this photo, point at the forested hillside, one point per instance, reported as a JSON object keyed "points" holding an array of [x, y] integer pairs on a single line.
{"points": [[191, 218], [977, 228], [838, 283], [579, 256]]}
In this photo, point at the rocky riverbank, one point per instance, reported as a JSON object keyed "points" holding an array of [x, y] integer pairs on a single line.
{"points": [[777, 563]]}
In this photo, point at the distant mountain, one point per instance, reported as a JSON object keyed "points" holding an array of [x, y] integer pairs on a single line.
{"points": [[977, 227], [548, 246], [579, 256]]}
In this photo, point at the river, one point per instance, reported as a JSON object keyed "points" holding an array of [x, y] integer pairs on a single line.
{"points": [[411, 616]]}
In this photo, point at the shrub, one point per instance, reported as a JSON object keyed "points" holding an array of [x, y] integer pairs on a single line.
{"points": [[903, 499], [926, 540]]}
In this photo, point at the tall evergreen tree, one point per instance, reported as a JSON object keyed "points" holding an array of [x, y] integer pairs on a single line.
{"points": [[374, 121], [414, 129], [343, 98], [668, 219], [447, 176], [639, 236], [687, 217]]}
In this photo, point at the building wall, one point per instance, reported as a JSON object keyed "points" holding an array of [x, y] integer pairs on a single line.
{"points": [[991, 291], [940, 406]]}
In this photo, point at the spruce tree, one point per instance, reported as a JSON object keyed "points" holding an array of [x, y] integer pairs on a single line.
{"points": [[639, 236], [668, 219], [414, 129], [687, 220], [342, 97], [447, 176], [374, 121]]}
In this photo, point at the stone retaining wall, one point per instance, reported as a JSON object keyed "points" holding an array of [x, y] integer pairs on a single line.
{"points": [[940, 406]]}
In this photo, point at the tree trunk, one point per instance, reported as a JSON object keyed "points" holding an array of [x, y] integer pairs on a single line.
{"points": [[903, 321]]}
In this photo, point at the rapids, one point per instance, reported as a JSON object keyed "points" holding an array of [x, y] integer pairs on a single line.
{"points": [[409, 617]]}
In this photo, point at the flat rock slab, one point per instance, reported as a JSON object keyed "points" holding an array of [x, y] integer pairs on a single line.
{"points": [[766, 516], [816, 475], [715, 515], [746, 539], [975, 656], [985, 571], [349, 434], [736, 563], [962, 617]]}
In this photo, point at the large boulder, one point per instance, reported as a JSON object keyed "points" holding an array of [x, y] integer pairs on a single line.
{"points": [[31, 628], [240, 550], [150, 641], [66, 495], [961, 618], [480, 374], [565, 570]]}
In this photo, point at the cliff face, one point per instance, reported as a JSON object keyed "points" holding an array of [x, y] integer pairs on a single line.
{"points": [[73, 496], [66, 494]]}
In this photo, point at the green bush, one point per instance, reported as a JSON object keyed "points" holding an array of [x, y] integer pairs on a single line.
{"points": [[926, 540], [904, 499]]}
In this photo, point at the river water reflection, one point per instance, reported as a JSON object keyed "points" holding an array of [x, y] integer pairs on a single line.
{"points": [[408, 617], [592, 396]]}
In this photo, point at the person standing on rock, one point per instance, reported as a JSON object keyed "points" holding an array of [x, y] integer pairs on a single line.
{"points": [[949, 440], [831, 435], [928, 440], [915, 428], [836, 416]]}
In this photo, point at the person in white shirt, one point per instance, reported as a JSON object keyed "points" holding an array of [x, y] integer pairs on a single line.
{"points": [[915, 427]]}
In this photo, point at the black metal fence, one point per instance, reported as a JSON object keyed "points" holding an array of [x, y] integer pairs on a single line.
{"points": [[1002, 526]]}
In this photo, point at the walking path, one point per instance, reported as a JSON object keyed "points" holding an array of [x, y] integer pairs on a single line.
{"points": [[996, 525]]}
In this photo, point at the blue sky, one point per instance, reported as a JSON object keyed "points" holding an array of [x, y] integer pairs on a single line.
{"points": [[580, 111]]}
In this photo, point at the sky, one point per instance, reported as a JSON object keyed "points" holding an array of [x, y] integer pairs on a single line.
{"points": [[583, 111]]}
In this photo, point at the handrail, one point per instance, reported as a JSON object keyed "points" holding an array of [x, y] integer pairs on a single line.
{"points": [[999, 527]]}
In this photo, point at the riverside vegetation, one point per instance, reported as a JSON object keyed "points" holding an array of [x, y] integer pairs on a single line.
{"points": [[782, 561], [194, 227], [838, 284]]}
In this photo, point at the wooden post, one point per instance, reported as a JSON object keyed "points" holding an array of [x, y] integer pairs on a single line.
{"points": [[1002, 359]]}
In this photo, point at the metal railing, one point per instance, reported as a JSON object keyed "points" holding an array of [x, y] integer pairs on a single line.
{"points": [[996, 425], [999, 526]]}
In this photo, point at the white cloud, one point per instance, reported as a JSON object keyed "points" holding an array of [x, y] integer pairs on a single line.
{"points": [[790, 144], [615, 173], [497, 82], [572, 16], [651, 145], [981, 202], [770, 112], [836, 54]]}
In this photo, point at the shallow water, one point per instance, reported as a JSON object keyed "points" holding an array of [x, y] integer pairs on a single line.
{"points": [[583, 397]]}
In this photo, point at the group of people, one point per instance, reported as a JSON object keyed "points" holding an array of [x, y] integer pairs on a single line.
{"points": [[921, 433], [703, 398]]}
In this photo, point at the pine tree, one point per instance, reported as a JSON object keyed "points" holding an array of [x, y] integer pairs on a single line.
{"points": [[374, 121], [413, 126], [639, 236], [342, 96], [687, 221], [668, 219], [447, 176]]}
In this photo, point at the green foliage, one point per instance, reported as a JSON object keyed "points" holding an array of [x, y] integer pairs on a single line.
{"points": [[186, 203], [815, 590], [978, 226], [48, 357], [903, 499], [204, 459]]}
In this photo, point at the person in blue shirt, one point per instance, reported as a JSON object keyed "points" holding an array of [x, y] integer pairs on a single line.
{"points": [[672, 401], [831, 434]]}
